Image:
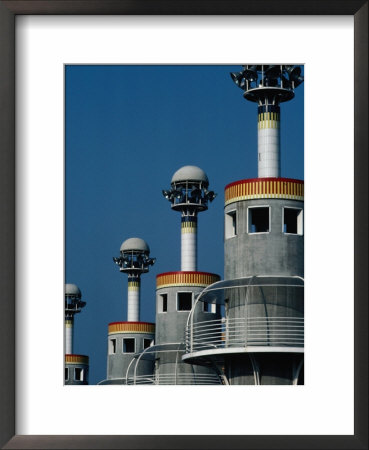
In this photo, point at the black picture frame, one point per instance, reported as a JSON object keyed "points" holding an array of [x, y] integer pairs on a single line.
{"points": [[8, 11]]}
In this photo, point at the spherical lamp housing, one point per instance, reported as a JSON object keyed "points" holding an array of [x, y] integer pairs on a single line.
{"points": [[189, 189], [134, 256]]}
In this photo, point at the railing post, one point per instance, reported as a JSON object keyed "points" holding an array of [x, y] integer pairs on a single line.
{"points": [[227, 332], [191, 328], [245, 330], [138, 360], [175, 370]]}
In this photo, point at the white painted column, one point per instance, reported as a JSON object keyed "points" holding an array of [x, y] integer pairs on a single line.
{"points": [[269, 164], [189, 243], [133, 314], [68, 336]]}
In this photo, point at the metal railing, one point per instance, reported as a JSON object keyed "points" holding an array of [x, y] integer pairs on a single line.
{"points": [[245, 332], [175, 379]]}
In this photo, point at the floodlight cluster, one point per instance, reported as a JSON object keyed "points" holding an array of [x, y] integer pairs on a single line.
{"points": [[73, 303], [190, 193], [260, 76], [134, 261]]}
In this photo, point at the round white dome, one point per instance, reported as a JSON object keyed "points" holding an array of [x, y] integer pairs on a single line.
{"points": [[190, 173], [135, 244], [72, 289]]}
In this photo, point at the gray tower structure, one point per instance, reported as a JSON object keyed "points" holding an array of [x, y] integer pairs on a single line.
{"points": [[75, 366], [260, 339], [127, 339], [177, 291]]}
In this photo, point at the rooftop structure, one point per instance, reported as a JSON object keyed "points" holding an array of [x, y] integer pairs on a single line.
{"points": [[128, 338], [76, 366]]}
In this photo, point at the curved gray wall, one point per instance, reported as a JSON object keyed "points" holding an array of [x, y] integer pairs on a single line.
{"points": [[118, 362], [170, 328], [269, 253], [272, 253], [71, 379], [170, 325]]}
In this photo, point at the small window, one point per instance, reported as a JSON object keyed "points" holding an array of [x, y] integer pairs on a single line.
{"points": [[259, 220], [292, 221], [66, 373], [112, 346], [184, 301], [210, 307], [148, 343], [230, 224], [128, 345], [163, 307], [78, 374]]}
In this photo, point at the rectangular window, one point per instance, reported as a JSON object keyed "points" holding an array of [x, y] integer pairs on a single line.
{"points": [[78, 374], [230, 224], [184, 301], [148, 343], [66, 374], [258, 219], [163, 306], [292, 221], [129, 345], [112, 346], [211, 308]]}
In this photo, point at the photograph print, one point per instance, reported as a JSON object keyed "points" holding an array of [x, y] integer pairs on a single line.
{"points": [[184, 224]]}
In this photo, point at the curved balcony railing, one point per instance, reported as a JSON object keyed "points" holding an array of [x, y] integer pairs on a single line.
{"points": [[175, 379], [245, 332], [173, 376]]}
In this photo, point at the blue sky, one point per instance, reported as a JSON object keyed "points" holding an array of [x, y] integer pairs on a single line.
{"points": [[127, 130]]}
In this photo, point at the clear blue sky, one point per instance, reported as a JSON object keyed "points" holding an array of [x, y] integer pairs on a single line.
{"points": [[128, 129]]}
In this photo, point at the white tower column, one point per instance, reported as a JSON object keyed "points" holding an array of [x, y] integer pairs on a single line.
{"points": [[269, 164], [133, 314], [134, 259], [189, 243], [68, 336]]}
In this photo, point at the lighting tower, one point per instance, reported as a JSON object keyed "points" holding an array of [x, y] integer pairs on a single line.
{"points": [[268, 86], [264, 228], [125, 339], [76, 366], [176, 291], [134, 259], [189, 195]]}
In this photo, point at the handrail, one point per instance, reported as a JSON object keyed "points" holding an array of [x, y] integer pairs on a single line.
{"points": [[173, 378], [244, 332]]}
